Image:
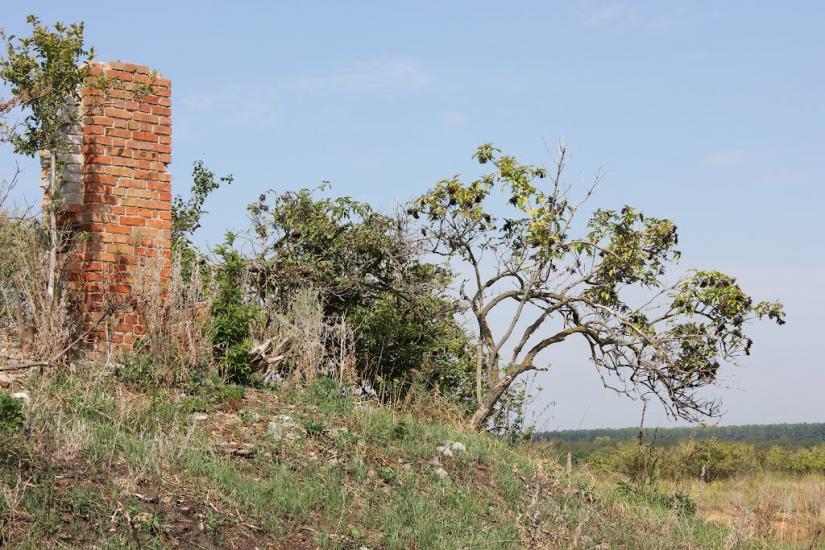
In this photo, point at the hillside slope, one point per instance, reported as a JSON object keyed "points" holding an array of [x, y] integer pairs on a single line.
{"points": [[98, 462]]}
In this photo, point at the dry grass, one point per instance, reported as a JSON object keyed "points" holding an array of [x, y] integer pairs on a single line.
{"points": [[175, 313], [44, 325], [770, 506], [105, 464]]}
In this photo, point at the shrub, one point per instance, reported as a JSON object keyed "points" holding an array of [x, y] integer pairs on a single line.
{"points": [[232, 315], [368, 270], [711, 459]]}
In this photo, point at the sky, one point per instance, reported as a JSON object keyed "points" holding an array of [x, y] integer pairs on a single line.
{"points": [[708, 113]]}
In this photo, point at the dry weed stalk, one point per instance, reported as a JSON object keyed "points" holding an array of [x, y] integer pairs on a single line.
{"points": [[175, 314], [44, 326], [298, 345]]}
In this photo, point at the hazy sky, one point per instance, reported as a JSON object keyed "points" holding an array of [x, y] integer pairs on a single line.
{"points": [[710, 113]]}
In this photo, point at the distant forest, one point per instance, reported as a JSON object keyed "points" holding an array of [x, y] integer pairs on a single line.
{"points": [[802, 435]]}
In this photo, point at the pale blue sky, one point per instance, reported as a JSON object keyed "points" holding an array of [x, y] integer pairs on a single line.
{"points": [[709, 113]]}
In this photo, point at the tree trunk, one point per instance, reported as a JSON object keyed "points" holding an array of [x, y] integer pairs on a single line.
{"points": [[53, 237], [479, 373], [486, 405]]}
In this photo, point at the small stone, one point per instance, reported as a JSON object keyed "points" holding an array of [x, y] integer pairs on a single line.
{"points": [[445, 452], [199, 417], [449, 448], [276, 430], [245, 451], [22, 396], [441, 473]]}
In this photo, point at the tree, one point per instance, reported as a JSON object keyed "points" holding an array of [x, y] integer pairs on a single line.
{"points": [[187, 212], [46, 73], [605, 284]]}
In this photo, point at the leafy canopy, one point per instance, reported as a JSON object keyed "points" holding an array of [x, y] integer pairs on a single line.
{"points": [[603, 281], [45, 72]]}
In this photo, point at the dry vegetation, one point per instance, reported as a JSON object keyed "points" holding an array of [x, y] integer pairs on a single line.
{"points": [[314, 388], [772, 506], [100, 461]]}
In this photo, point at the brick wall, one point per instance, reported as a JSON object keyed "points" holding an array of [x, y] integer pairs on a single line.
{"points": [[117, 195]]}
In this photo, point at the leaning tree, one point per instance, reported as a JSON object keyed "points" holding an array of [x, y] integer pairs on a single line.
{"points": [[604, 283]]}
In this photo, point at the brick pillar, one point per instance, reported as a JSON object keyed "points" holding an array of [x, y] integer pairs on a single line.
{"points": [[119, 200]]}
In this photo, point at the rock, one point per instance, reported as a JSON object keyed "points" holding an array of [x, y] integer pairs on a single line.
{"points": [[246, 450], [199, 417], [445, 452], [22, 396], [5, 380], [441, 473], [449, 448], [285, 420], [282, 427], [275, 430]]}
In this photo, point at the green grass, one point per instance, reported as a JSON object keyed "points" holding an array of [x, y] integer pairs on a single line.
{"points": [[117, 465]]}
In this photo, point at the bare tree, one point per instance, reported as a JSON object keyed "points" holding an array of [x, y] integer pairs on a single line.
{"points": [[603, 282]]}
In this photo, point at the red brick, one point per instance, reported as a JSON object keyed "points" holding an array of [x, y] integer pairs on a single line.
{"points": [[143, 117], [118, 132], [101, 120], [145, 136], [131, 220], [160, 224], [115, 112], [118, 171]]}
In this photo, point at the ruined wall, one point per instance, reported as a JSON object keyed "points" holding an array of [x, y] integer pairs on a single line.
{"points": [[117, 202]]}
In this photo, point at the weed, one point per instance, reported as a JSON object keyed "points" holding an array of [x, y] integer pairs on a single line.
{"points": [[400, 431], [314, 428], [11, 413]]}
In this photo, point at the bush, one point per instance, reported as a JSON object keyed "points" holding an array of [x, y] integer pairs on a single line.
{"points": [[711, 459], [809, 460], [707, 460], [368, 272], [404, 342], [299, 344]]}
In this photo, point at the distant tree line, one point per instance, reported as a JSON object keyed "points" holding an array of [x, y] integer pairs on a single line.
{"points": [[801, 435]]}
